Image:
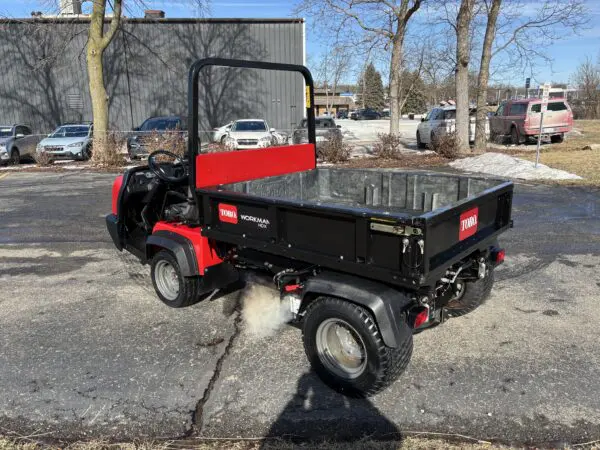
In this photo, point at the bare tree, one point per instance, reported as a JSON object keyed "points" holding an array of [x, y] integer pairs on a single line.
{"points": [[98, 40], [384, 22], [463, 53], [331, 68], [587, 80], [493, 10]]}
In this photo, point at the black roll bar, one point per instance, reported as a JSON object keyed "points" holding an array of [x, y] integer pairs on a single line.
{"points": [[194, 73]]}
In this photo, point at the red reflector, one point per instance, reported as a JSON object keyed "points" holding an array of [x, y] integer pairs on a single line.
{"points": [[500, 255], [421, 318], [291, 287]]}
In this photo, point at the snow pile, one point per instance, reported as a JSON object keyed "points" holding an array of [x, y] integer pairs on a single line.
{"points": [[503, 165]]}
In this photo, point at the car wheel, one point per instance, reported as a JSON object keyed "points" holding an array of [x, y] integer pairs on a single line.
{"points": [[346, 350], [557, 138], [15, 157], [515, 139], [223, 139], [171, 286], [86, 153], [432, 141], [419, 143]]}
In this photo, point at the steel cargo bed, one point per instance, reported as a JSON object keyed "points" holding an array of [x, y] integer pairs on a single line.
{"points": [[402, 227]]}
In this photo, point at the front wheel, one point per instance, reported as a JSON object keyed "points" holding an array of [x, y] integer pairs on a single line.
{"points": [[420, 144], [172, 287], [15, 157], [346, 350]]}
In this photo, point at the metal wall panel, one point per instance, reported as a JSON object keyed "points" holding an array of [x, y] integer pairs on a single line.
{"points": [[44, 69]]}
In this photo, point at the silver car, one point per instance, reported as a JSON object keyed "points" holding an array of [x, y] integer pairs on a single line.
{"points": [[72, 141], [17, 142]]}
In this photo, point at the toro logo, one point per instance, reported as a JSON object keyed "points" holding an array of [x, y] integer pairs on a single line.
{"points": [[469, 220], [228, 213]]}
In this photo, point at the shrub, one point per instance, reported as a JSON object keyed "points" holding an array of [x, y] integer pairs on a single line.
{"points": [[106, 151], [388, 146], [172, 141], [333, 150], [42, 158], [446, 146]]}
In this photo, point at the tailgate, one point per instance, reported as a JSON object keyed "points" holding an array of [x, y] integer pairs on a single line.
{"points": [[455, 232]]}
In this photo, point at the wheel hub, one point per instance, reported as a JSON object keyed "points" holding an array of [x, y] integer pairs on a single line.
{"points": [[341, 349], [167, 280]]}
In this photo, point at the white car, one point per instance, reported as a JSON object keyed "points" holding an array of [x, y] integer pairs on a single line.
{"points": [[442, 120], [250, 133], [220, 133]]}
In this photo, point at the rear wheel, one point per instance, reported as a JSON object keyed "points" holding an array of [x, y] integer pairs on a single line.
{"points": [[469, 295], [557, 138], [172, 288], [15, 157], [346, 350], [515, 139]]}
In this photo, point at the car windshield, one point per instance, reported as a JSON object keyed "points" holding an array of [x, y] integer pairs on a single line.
{"points": [[5, 132], [71, 131], [160, 124], [250, 125]]}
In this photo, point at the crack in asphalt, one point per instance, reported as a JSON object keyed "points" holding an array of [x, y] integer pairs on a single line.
{"points": [[197, 414]]}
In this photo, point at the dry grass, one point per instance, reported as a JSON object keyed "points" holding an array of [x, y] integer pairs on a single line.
{"points": [[409, 443], [172, 141], [403, 161], [570, 154]]}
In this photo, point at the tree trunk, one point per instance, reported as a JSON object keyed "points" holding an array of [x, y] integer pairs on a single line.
{"points": [[484, 75], [98, 41], [395, 87], [463, 22], [99, 100]]}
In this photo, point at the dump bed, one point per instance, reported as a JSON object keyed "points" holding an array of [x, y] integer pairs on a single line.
{"points": [[402, 227]]}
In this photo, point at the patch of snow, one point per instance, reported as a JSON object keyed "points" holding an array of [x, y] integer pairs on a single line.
{"points": [[16, 167], [503, 165]]}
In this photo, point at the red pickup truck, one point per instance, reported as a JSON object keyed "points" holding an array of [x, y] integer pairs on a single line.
{"points": [[520, 119]]}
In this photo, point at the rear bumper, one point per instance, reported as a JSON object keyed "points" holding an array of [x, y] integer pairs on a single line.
{"points": [[112, 224], [546, 132]]}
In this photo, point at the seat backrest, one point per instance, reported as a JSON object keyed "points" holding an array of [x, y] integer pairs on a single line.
{"points": [[213, 169]]}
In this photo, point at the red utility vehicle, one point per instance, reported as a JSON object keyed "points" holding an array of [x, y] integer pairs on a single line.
{"points": [[362, 258]]}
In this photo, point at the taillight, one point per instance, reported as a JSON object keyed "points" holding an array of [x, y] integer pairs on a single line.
{"points": [[498, 255], [116, 188], [419, 316]]}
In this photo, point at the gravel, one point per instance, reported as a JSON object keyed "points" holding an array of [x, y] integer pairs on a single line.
{"points": [[508, 166]]}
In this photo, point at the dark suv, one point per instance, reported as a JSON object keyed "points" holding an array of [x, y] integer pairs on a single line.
{"points": [[365, 114], [137, 142]]}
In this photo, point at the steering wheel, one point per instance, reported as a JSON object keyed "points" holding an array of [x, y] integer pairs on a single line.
{"points": [[166, 171]]}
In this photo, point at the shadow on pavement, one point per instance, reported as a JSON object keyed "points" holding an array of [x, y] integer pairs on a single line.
{"points": [[317, 413]]}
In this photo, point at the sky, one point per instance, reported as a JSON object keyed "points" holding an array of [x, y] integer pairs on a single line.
{"points": [[567, 53]]}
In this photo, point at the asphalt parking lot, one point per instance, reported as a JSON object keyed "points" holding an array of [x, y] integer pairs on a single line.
{"points": [[89, 351]]}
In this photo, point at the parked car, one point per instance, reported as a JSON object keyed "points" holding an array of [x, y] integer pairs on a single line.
{"points": [[68, 141], [325, 129], [365, 114], [250, 133], [442, 120], [137, 143], [342, 114], [16, 143], [520, 120], [220, 133]]}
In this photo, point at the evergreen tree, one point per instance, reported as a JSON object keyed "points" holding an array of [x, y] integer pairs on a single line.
{"points": [[371, 88]]}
